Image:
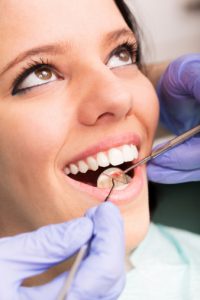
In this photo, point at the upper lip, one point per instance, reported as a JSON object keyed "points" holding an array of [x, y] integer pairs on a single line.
{"points": [[108, 143]]}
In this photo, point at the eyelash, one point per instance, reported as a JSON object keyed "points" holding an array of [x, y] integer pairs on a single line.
{"points": [[130, 46], [31, 67]]}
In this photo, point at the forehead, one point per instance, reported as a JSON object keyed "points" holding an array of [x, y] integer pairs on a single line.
{"points": [[26, 23]]}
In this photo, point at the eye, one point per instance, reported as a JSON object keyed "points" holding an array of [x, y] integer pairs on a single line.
{"points": [[40, 76], [33, 76], [122, 56]]}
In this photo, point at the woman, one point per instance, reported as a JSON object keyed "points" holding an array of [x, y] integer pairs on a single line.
{"points": [[73, 98], [70, 90]]}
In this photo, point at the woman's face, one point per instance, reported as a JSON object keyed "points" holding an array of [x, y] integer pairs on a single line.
{"points": [[70, 89]]}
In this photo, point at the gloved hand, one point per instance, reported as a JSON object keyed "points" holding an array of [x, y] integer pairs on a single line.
{"points": [[101, 274], [179, 96]]}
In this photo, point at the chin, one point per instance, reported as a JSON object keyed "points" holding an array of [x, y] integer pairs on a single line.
{"points": [[136, 221]]}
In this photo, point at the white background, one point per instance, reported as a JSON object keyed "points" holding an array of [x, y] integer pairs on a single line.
{"points": [[169, 28]]}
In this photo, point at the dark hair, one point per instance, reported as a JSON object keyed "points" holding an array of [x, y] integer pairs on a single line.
{"points": [[132, 24]]}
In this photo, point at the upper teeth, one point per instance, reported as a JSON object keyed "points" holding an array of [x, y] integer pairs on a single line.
{"points": [[114, 156]]}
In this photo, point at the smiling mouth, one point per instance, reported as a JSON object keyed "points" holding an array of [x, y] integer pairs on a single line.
{"points": [[89, 169]]}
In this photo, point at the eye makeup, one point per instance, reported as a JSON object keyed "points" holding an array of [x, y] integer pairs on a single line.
{"points": [[131, 47], [26, 71], [36, 64]]}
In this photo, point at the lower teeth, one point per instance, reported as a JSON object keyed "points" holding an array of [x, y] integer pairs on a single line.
{"points": [[106, 178]]}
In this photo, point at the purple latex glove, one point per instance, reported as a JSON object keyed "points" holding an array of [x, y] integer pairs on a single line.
{"points": [[179, 95], [101, 274]]}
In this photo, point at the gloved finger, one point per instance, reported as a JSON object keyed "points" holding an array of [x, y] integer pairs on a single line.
{"points": [[184, 76], [103, 269], [171, 176], [185, 156], [179, 94], [48, 291], [34, 252]]}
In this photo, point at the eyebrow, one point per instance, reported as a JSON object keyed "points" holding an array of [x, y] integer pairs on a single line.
{"points": [[115, 35], [63, 47], [57, 48]]}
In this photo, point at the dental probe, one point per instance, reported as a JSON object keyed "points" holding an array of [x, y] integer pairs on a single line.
{"points": [[65, 289], [162, 149], [81, 254]]}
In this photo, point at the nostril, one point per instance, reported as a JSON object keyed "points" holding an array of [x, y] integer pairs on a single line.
{"points": [[105, 115]]}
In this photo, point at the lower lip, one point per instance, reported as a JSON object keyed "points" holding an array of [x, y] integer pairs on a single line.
{"points": [[118, 197]]}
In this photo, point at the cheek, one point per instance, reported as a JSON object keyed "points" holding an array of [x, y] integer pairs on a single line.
{"points": [[147, 108], [32, 135], [145, 102], [31, 138]]}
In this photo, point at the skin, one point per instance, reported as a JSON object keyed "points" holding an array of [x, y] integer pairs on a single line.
{"points": [[46, 127]]}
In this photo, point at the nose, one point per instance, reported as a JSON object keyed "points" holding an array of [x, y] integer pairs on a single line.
{"points": [[103, 97]]}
